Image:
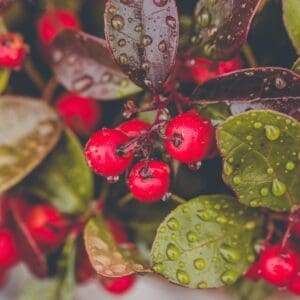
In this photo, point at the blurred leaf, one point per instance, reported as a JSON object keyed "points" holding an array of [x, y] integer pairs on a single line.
{"points": [[35, 288], [107, 258], [73, 5], [221, 27], [291, 17], [261, 159], [4, 79], [260, 88], [296, 66], [83, 64], [64, 180], [143, 37], [29, 129], [5, 4], [206, 242]]}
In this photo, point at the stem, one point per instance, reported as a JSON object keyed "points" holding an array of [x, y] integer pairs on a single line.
{"points": [[177, 199], [126, 199], [50, 90], [249, 55], [34, 74]]}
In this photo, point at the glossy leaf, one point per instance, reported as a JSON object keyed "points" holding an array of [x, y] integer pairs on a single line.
{"points": [[259, 88], [4, 79], [206, 243], [261, 152], [64, 180], [221, 27], [83, 64], [291, 13], [296, 66], [107, 258], [29, 129], [143, 37]]}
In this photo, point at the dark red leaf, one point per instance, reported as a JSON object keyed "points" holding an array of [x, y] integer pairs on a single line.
{"points": [[5, 4], [30, 252], [143, 37], [221, 27], [83, 64], [259, 88]]}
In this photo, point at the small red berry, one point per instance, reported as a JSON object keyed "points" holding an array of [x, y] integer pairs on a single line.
{"points": [[53, 21], [279, 266], [47, 227], [117, 231], [118, 285], [190, 137], [134, 128], [149, 182], [254, 272], [81, 114], [8, 249], [12, 51], [102, 152], [294, 286]]}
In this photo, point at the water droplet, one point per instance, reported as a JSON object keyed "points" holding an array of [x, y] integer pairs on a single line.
{"points": [[272, 132], [227, 168], [158, 268], [162, 46], [249, 138], [205, 215], [162, 229], [199, 264], [230, 254], [147, 40], [203, 285], [222, 219], [208, 50], [254, 203], [171, 22], [122, 42], [192, 236], [229, 277], [195, 166], [270, 171], [181, 264], [258, 125], [236, 180], [204, 18], [145, 66], [280, 83], [117, 22], [160, 3], [173, 224], [123, 59], [183, 277], [264, 191], [198, 227], [290, 166], [185, 209], [83, 83], [112, 10], [251, 258], [173, 253], [278, 188], [138, 28], [250, 225]]}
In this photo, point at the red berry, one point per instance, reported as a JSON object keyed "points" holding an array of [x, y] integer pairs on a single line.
{"points": [[294, 287], [149, 182], [254, 272], [81, 114], [279, 266], [47, 227], [190, 137], [53, 21], [118, 285], [8, 249], [12, 51], [134, 128], [118, 232], [102, 152]]}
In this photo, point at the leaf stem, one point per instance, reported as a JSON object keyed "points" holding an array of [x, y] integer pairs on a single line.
{"points": [[249, 55], [177, 199], [126, 199], [34, 74], [49, 90]]}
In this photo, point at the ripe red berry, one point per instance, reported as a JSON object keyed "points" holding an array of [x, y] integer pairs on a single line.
{"points": [[117, 231], [102, 152], [47, 226], [134, 128], [254, 272], [12, 51], [118, 285], [190, 137], [149, 182], [81, 114], [294, 286], [279, 266], [53, 21], [8, 249]]}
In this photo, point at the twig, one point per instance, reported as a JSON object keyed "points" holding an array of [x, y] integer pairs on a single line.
{"points": [[50, 90]]}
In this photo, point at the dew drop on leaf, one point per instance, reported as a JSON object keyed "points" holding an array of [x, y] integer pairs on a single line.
{"points": [[160, 3], [278, 188], [171, 22], [162, 46], [192, 237], [203, 285], [173, 253], [173, 224], [183, 277], [230, 254], [199, 264], [229, 277], [272, 132], [290, 166], [117, 22]]}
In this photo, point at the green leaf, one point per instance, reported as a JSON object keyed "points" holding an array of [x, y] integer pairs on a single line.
{"points": [[64, 180], [216, 112], [291, 17], [73, 5], [206, 243], [4, 79], [107, 258], [29, 129], [261, 152], [296, 66]]}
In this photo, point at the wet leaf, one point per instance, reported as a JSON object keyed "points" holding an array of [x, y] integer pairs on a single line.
{"points": [[64, 180], [106, 257], [4, 79], [29, 129], [221, 27], [31, 253], [296, 66], [259, 88], [83, 64], [291, 13], [206, 243], [261, 152], [143, 37]]}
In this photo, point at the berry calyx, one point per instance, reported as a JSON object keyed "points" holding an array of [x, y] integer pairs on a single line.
{"points": [[118, 285], [102, 152], [279, 266], [134, 128], [294, 286], [149, 182], [53, 21], [79, 113], [8, 249], [12, 51], [47, 226], [189, 137]]}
